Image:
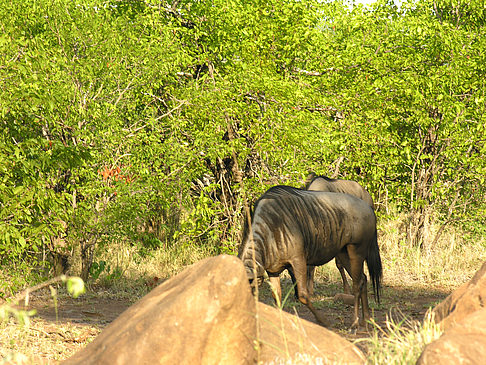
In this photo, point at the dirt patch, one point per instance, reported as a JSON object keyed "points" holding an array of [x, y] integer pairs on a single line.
{"points": [[59, 328], [397, 303], [83, 311], [76, 322]]}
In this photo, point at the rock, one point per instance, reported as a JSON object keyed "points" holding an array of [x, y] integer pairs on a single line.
{"points": [[284, 337], [468, 298], [344, 298], [203, 315], [462, 315], [463, 343]]}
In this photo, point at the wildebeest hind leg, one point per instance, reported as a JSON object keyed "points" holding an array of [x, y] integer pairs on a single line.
{"points": [[353, 262], [300, 272], [364, 302], [339, 265]]}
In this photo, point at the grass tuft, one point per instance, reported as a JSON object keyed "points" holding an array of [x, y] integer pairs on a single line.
{"points": [[400, 342]]}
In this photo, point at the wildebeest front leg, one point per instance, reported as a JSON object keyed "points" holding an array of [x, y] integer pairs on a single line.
{"points": [[300, 271], [310, 281]]}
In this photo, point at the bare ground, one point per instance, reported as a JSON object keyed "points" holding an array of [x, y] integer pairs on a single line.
{"points": [[60, 333]]}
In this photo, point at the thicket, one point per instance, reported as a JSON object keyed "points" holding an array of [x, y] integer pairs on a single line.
{"points": [[155, 123]]}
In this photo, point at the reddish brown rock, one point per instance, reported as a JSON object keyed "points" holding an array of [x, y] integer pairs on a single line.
{"points": [[463, 343], [462, 302], [284, 336], [203, 315]]}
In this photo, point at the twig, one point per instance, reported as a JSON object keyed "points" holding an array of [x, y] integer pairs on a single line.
{"points": [[23, 294]]}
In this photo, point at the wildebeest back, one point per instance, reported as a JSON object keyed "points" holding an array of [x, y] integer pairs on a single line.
{"points": [[323, 183]]}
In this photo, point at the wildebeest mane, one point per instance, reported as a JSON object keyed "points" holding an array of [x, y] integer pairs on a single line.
{"points": [[275, 192]]}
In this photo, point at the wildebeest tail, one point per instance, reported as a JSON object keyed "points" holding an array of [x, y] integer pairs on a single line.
{"points": [[374, 267]]}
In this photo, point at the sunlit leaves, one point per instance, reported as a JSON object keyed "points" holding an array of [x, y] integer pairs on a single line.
{"points": [[152, 91]]}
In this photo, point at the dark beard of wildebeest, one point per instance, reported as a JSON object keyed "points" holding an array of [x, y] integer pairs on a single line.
{"points": [[323, 183], [293, 228]]}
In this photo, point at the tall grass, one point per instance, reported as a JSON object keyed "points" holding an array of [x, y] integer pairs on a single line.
{"points": [[130, 275], [401, 342], [453, 259], [451, 262]]}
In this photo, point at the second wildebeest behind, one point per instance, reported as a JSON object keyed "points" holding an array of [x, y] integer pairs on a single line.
{"points": [[323, 183], [292, 228]]}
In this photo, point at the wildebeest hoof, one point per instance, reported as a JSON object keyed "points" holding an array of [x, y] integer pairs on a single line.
{"points": [[355, 325], [364, 323], [345, 298]]}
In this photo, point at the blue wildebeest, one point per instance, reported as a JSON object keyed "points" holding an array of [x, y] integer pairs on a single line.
{"points": [[293, 228], [323, 183]]}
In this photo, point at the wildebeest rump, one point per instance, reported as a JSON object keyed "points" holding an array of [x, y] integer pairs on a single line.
{"points": [[293, 228], [324, 183]]}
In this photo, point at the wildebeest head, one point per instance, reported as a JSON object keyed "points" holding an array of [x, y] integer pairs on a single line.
{"points": [[251, 255], [251, 261]]}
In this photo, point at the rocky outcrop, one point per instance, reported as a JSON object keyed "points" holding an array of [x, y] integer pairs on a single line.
{"points": [[284, 337], [462, 315], [464, 343], [205, 315], [467, 299]]}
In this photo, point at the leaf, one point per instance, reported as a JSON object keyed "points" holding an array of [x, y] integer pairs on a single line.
{"points": [[75, 286]]}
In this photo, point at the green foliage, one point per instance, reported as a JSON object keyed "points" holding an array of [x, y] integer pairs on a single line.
{"points": [[97, 268], [157, 123]]}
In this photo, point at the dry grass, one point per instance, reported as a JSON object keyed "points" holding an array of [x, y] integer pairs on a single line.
{"points": [[401, 342], [163, 263], [447, 265], [452, 261], [42, 342]]}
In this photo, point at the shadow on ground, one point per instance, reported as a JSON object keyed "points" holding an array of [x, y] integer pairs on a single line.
{"points": [[99, 307], [397, 303]]}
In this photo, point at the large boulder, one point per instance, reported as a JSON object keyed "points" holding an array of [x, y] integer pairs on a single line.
{"points": [[468, 298], [285, 337], [463, 343], [205, 315]]}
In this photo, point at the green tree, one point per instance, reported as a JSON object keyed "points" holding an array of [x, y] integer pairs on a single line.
{"points": [[156, 123]]}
